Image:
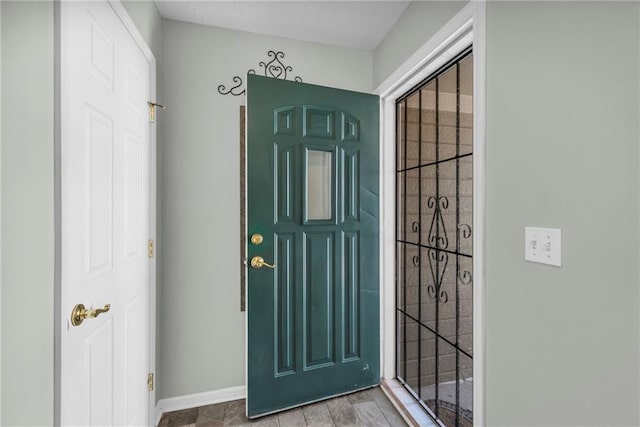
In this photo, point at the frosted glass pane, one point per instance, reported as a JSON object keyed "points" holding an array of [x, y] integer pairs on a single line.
{"points": [[318, 184]]}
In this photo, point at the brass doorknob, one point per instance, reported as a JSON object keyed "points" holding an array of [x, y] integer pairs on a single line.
{"points": [[258, 262], [79, 313]]}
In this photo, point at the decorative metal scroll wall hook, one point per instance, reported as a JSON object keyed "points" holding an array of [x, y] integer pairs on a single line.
{"points": [[272, 67]]}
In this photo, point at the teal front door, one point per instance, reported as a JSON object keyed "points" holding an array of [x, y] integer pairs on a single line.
{"points": [[313, 277]]}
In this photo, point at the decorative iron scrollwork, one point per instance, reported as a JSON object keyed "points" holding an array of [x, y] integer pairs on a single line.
{"points": [[237, 80], [415, 226], [465, 277], [438, 262], [437, 231], [442, 295], [275, 68], [416, 261], [272, 67], [465, 230]]}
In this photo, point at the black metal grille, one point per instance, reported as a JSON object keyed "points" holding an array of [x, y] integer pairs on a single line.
{"points": [[434, 250]]}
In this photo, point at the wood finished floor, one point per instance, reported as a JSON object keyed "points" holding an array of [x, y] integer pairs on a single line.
{"points": [[364, 408]]}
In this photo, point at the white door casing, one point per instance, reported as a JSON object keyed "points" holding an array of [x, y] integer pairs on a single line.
{"points": [[106, 218], [466, 28]]}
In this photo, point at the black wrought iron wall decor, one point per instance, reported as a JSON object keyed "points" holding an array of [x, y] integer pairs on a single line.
{"points": [[273, 67]]}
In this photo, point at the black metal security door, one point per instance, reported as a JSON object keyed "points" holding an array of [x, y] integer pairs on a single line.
{"points": [[434, 206]]}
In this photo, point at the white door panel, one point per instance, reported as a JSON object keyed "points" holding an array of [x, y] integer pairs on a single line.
{"points": [[105, 161], [98, 372]]}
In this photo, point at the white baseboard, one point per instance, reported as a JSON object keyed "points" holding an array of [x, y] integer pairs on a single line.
{"points": [[199, 399], [158, 416]]}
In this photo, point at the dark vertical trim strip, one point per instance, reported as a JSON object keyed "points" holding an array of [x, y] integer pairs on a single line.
{"points": [[457, 244], [396, 290], [243, 213], [404, 246], [436, 284], [419, 242]]}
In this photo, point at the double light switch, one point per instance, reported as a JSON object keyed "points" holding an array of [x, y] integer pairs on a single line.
{"points": [[543, 245]]}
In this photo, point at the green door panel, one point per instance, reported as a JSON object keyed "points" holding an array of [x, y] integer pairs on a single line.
{"points": [[312, 192]]}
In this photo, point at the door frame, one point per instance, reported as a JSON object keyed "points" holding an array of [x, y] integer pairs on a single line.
{"points": [[137, 37], [466, 28]]}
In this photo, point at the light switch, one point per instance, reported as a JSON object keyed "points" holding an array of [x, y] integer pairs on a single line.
{"points": [[543, 245]]}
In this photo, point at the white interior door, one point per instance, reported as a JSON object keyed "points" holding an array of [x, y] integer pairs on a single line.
{"points": [[105, 218]]}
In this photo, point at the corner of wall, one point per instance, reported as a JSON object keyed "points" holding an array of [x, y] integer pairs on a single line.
{"points": [[419, 22], [57, 220], [588, 145], [27, 227], [0, 212], [638, 38]]}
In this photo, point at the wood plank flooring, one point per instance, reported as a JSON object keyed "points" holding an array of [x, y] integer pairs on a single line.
{"points": [[367, 408]]}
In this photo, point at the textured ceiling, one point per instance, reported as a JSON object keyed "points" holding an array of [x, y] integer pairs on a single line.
{"points": [[355, 24]]}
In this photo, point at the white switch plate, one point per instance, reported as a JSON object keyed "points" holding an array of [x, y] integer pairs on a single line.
{"points": [[543, 245]]}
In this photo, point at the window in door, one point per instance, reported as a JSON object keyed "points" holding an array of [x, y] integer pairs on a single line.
{"points": [[434, 277]]}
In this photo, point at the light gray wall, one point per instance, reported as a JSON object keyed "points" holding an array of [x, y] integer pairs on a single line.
{"points": [[420, 21], [562, 93], [203, 330], [0, 211], [27, 213], [562, 151], [148, 21], [563, 112]]}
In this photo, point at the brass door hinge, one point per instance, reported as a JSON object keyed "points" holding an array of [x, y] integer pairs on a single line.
{"points": [[151, 248], [150, 382], [152, 110]]}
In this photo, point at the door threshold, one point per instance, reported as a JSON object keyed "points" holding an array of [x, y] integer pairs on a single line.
{"points": [[406, 404]]}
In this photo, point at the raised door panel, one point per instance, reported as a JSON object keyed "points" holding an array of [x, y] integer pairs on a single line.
{"points": [[98, 375], [134, 369], [134, 91], [318, 122], [350, 127], [133, 196], [284, 182], [284, 121], [284, 307], [350, 179], [102, 54], [318, 296], [351, 295], [98, 167]]}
